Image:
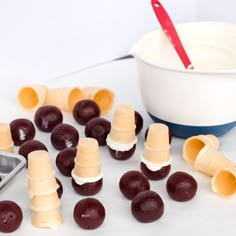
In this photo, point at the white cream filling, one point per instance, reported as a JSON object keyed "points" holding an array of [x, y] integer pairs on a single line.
{"points": [[153, 166], [120, 146], [83, 180]]}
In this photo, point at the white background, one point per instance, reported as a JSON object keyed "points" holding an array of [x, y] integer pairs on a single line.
{"points": [[44, 39]]}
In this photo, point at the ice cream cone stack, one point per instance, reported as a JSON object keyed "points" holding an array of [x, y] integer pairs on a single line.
{"points": [[102, 96], [31, 97], [64, 98], [42, 189], [157, 147], [193, 145], [209, 161], [87, 160], [123, 125], [6, 142], [224, 182]]}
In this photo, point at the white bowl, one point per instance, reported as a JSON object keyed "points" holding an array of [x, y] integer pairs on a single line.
{"points": [[190, 102]]}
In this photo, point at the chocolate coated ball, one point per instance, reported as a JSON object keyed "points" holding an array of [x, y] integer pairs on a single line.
{"points": [[60, 189], [98, 128], [11, 216], [181, 186], [147, 206], [133, 182], [87, 189], [22, 130], [138, 122], [85, 110], [65, 161], [89, 213], [121, 155], [64, 136], [30, 146], [47, 117]]}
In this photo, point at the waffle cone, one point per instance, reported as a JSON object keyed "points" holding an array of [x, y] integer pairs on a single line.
{"points": [[156, 156], [39, 165], [125, 137], [6, 143], [219, 161], [224, 182], [47, 219], [30, 98], [102, 96], [87, 171], [64, 98], [87, 152], [193, 145], [9, 149], [45, 202], [124, 118], [44, 186]]}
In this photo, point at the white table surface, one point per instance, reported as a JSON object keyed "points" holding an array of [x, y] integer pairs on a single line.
{"points": [[206, 214]]}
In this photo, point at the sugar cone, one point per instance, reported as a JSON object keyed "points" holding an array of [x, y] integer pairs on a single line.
{"points": [[64, 98], [45, 202], [102, 96], [39, 165], [219, 161], [87, 160], [31, 97], [6, 143], [224, 182], [157, 147], [193, 145], [47, 219], [44, 186]]}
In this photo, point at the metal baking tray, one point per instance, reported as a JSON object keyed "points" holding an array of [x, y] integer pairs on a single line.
{"points": [[10, 165]]}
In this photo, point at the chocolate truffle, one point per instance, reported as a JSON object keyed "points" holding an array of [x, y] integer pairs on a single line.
{"points": [[60, 189], [11, 216], [89, 213]]}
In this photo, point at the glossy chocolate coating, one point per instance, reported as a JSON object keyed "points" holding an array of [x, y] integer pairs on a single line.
{"points": [[64, 136], [122, 155], [181, 186], [11, 216], [85, 110], [155, 175], [22, 130], [47, 117], [89, 213], [138, 122], [98, 128], [87, 189], [147, 206], [30, 146], [65, 161], [60, 189], [133, 182]]}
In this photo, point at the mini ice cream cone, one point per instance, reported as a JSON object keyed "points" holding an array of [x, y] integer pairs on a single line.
{"points": [[102, 96], [47, 219], [224, 182], [39, 165], [31, 97], [64, 98], [123, 125], [44, 186], [45, 202], [87, 160], [193, 145], [157, 147], [6, 143]]}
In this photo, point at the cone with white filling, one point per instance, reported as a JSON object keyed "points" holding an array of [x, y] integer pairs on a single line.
{"points": [[6, 142], [31, 97], [87, 160], [224, 182], [64, 98], [47, 219], [123, 125], [193, 145], [102, 96]]}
